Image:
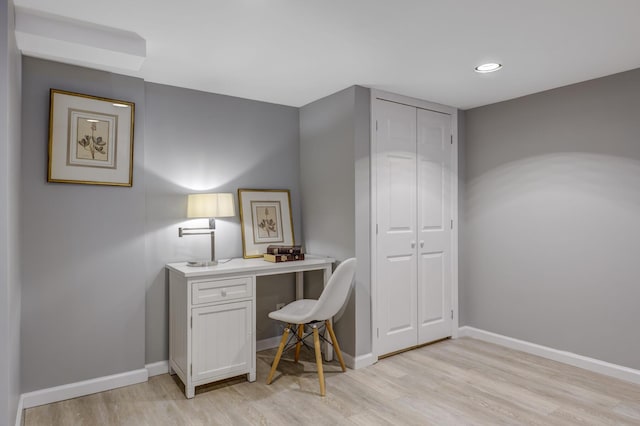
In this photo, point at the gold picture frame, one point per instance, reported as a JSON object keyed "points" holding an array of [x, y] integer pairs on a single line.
{"points": [[90, 139], [265, 219]]}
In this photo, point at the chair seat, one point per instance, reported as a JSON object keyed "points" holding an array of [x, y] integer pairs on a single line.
{"points": [[296, 312]]}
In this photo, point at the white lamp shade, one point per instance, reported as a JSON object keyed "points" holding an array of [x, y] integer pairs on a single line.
{"points": [[210, 205]]}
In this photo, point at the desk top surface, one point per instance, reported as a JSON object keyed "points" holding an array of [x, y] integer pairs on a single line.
{"points": [[256, 266]]}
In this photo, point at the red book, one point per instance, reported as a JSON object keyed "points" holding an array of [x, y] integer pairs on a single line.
{"points": [[277, 258]]}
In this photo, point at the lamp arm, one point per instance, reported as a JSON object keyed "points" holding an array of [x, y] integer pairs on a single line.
{"points": [[190, 231], [202, 231]]}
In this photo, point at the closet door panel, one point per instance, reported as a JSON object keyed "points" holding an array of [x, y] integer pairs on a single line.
{"points": [[434, 296], [398, 308], [396, 263]]}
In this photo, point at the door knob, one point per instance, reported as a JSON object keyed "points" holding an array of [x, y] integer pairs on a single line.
{"points": [[421, 244], [413, 244]]}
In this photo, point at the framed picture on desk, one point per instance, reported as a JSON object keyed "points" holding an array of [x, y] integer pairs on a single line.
{"points": [[265, 219]]}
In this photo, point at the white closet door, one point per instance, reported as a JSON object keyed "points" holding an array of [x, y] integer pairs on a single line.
{"points": [[396, 210], [434, 226]]}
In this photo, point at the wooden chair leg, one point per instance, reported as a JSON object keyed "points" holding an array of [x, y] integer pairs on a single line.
{"points": [[316, 343], [299, 344], [336, 347], [283, 342]]}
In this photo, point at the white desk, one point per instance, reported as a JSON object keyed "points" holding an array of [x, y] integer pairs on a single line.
{"points": [[212, 318]]}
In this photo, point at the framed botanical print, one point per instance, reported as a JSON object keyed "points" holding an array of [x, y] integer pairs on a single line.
{"points": [[265, 219], [90, 139]]}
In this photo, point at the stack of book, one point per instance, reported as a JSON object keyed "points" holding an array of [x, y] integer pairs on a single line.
{"points": [[280, 253]]}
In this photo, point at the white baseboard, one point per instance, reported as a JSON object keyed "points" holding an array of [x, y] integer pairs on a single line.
{"points": [[359, 361], [20, 411], [591, 364], [157, 368], [86, 387], [271, 342]]}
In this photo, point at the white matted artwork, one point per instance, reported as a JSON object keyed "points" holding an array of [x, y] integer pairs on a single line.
{"points": [[265, 218], [90, 139]]}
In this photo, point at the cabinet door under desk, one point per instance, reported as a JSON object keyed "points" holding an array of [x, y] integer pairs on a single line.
{"points": [[211, 328], [221, 341]]}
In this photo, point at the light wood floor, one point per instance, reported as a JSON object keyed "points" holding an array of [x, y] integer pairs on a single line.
{"points": [[453, 382]]}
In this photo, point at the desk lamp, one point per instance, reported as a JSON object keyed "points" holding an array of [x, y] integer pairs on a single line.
{"points": [[210, 206]]}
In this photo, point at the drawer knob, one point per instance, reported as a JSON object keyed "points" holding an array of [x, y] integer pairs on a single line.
{"points": [[223, 292]]}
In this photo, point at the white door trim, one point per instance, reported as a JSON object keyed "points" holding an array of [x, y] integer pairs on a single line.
{"points": [[453, 112]]}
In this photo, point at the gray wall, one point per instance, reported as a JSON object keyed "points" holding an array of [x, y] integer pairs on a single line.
{"points": [[552, 235], [83, 246], [96, 301], [198, 142], [334, 203], [10, 280], [327, 159], [362, 147]]}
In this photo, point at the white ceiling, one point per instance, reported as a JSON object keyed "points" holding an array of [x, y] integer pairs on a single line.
{"points": [[293, 52]]}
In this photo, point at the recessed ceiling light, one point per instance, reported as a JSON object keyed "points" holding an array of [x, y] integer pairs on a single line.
{"points": [[490, 67]]}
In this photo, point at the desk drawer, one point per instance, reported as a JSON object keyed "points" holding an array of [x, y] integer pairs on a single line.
{"points": [[220, 290]]}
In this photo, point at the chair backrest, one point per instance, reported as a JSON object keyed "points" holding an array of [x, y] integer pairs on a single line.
{"points": [[335, 293]]}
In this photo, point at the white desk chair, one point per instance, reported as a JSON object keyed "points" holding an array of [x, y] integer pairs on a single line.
{"points": [[313, 313]]}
